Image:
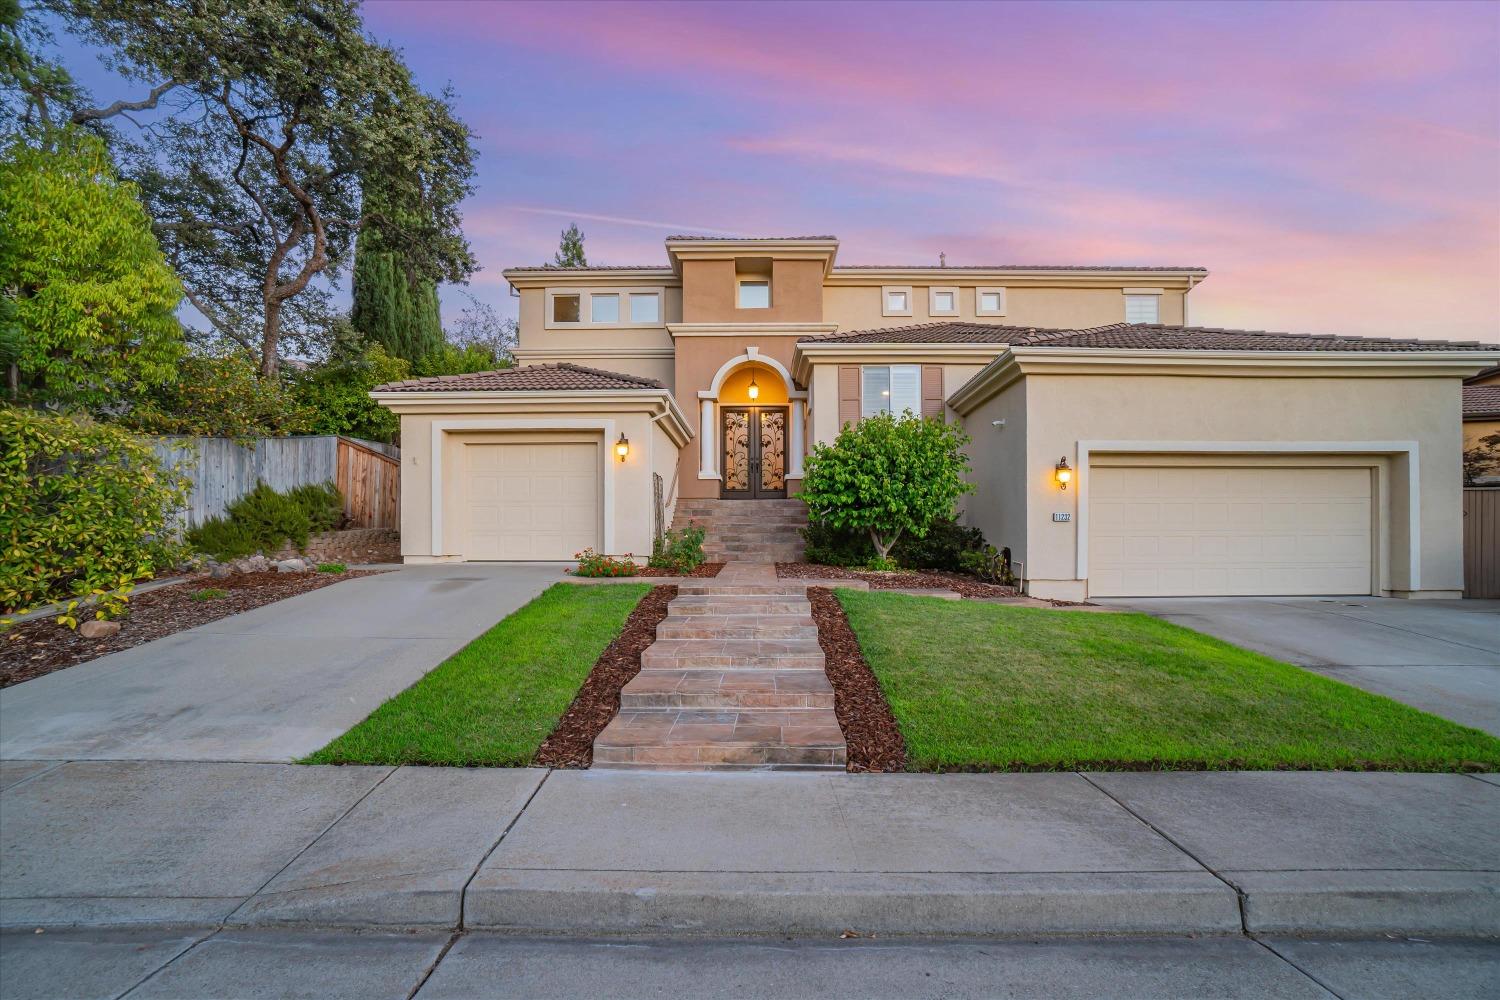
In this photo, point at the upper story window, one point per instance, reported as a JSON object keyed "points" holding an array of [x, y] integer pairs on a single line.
{"points": [[989, 301], [754, 294], [1143, 308], [942, 301], [567, 308], [604, 308], [897, 302], [891, 389], [645, 307]]}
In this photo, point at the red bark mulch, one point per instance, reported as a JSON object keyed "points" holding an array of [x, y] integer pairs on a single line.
{"points": [[906, 579], [703, 570], [40, 646], [874, 740], [571, 743]]}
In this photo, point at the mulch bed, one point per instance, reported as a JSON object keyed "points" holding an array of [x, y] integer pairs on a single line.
{"points": [[929, 579], [874, 740], [703, 570], [40, 646], [571, 743]]}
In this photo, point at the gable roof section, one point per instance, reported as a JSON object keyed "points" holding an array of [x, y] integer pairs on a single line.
{"points": [[1481, 401], [1138, 336], [530, 378]]}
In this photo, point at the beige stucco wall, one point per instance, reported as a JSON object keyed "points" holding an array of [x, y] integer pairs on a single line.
{"points": [[633, 350], [709, 291], [859, 307], [1476, 429], [630, 495], [1063, 409], [823, 387]]}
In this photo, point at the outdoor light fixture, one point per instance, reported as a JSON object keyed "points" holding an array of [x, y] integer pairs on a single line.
{"points": [[1062, 473], [622, 447], [754, 390]]}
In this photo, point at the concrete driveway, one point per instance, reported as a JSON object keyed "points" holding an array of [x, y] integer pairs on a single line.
{"points": [[1441, 656], [271, 684]]}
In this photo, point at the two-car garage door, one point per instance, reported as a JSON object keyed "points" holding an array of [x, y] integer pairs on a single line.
{"points": [[1190, 530], [531, 500]]}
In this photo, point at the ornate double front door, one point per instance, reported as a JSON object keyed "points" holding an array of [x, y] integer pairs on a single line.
{"points": [[754, 450]]}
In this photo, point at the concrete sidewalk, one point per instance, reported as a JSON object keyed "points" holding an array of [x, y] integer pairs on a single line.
{"points": [[200, 845]]}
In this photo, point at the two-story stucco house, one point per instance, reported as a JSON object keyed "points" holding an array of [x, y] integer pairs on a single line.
{"points": [[1200, 461]]}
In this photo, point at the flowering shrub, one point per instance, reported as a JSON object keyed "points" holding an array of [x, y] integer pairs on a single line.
{"points": [[591, 563], [681, 550]]}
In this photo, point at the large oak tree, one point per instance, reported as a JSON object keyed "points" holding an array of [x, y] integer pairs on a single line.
{"points": [[267, 115]]}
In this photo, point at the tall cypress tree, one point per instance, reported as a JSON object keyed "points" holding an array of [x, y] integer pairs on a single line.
{"points": [[392, 307]]}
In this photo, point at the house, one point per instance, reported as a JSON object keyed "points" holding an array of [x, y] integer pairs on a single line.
{"points": [[1482, 413], [1198, 461]]}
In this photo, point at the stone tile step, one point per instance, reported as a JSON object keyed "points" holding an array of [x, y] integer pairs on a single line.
{"points": [[770, 555], [754, 588], [697, 738], [777, 627], [733, 654], [727, 689], [708, 604]]}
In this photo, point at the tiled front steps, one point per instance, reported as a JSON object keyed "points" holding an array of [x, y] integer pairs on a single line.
{"points": [[760, 530], [735, 681]]}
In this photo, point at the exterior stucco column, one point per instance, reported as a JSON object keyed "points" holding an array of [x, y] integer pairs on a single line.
{"points": [[706, 461], [796, 444]]}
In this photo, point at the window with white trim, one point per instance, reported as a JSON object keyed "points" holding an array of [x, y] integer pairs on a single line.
{"points": [[942, 301], [567, 308], [989, 301], [1143, 308], [895, 300], [604, 308], [645, 307], [755, 294], [891, 389]]}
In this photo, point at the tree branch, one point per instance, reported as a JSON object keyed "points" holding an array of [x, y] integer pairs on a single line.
{"points": [[120, 107]]}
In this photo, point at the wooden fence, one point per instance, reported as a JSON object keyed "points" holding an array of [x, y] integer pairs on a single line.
{"points": [[1482, 541], [223, 469]]}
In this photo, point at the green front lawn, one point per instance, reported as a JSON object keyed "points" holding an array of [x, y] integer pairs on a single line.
{"points": [[493, 702], [984, 686]]}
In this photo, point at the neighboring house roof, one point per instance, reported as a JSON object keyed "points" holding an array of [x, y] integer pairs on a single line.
{"points": [[1481, 402], [1136, 336], [531, 378], [1484, 376], [592, 267]]}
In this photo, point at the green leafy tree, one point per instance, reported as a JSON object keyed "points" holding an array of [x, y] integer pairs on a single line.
{"points": [[272, 114], [393, 305], [86, 509], [1482, 460], [337, 393], [92, 316], [887, 476], [570, 248], [221, 395]]}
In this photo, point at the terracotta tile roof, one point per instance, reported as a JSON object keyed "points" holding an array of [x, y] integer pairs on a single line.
{"points": [[592, 267], [1481, 401], [528, 378], [1139, 336], [1018, 267], [758, 239]]}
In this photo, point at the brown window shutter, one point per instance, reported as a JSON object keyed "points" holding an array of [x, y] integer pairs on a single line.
{"points": [[848, 395], [932, 391]]}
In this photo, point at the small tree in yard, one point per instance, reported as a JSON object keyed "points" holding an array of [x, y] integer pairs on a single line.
{"points": [[888, 476]]}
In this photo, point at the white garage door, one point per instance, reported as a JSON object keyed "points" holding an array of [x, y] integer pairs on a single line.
{"points": [[1180, 531], [531, 501]]}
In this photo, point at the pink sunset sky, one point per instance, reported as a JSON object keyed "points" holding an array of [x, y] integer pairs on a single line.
{"points": [[1335, 166]]}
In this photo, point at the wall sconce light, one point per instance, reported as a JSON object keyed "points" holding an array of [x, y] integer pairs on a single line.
{"points": [[754, 391], [1062, 473], [622, 447]]}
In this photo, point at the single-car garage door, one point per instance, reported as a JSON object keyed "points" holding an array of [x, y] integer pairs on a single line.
{"points": [[531, 501], [1168, 531]]}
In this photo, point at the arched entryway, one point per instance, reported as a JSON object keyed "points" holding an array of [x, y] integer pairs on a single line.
{"points": [[751, 428]]}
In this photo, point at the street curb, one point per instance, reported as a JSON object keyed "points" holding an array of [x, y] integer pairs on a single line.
{"points": [[1448, 904], [584, 902]]}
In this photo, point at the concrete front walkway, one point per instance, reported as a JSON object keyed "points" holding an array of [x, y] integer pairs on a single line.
{"points": [[1441, 656], [527, 851], [271, 684]]}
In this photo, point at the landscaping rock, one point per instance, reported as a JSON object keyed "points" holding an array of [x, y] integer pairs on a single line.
{"points": [[220, 571], [98, 629], [291, 566]]}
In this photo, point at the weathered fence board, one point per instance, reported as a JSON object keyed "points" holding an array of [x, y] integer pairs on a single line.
{"points": [[223, 469], [1482, 541]]}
